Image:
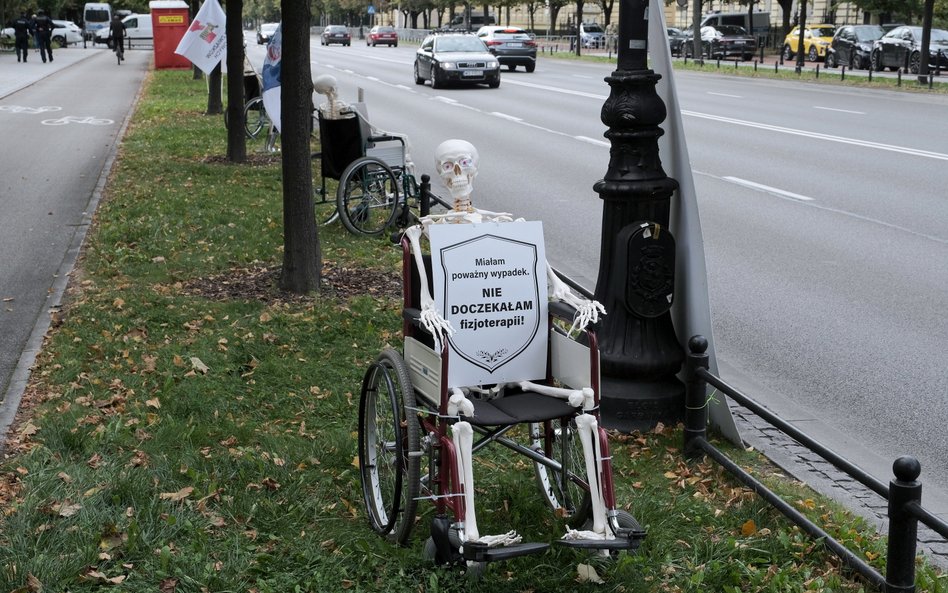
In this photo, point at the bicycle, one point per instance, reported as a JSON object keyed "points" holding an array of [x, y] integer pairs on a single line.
{"points": [[119, 49]]}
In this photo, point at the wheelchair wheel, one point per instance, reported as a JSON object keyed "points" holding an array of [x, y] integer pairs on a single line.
{"points": [[569, 497], [367, 197], [255, 117], [388, 433]]}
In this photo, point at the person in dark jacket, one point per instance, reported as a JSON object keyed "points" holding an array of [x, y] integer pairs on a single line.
{"points": [[22, 29], [117, 35], [44, 33]]}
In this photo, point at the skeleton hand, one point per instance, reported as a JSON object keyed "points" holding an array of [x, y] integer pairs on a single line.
{"points": [[439, 327], [587, 311]]}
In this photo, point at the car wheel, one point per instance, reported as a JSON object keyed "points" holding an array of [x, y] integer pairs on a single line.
{"points": [[531, 67], [60, 40], [787, 53], [418, 77], [813, 55], [394, 45], [511, 67], [433, 77], [830, 60], [494, 83], [875, 61], [915, 62]]}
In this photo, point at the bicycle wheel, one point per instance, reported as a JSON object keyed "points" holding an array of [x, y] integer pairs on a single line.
{"points": [[255, 117], [367, 197], [388, 434], [567, 493]]}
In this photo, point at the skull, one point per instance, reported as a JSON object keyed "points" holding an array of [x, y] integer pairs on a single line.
{"points": [[456, 161], [327, 85]]}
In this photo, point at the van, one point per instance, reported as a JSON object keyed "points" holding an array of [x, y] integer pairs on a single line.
{"points": [[95, 16], [137, 29], [477, 21], [760, 27]]}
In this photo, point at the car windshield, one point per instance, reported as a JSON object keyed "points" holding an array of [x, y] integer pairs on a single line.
{"points": [[268, 28], [731, 30], [822, 31], [939, 35], [592, 28], [869, 33], [386, 29], [451, 44]]}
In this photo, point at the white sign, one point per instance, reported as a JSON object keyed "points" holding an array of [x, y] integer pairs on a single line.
{"points": [[490, 283], [205, 42]]}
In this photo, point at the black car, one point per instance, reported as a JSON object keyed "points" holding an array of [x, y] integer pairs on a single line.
{"points": [[512, 45], [335, 34], [461, 58], [852, 46], [902, 47], [676, 40], [723, 41]]}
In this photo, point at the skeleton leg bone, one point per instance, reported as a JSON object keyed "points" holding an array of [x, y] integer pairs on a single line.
{"points": [[576, 397], [588, 429]]}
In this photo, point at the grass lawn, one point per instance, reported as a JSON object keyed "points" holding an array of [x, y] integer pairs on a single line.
{"points": [[189, 428]]}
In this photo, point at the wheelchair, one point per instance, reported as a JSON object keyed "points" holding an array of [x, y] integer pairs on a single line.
{"points": [[406, 453], [375, 191]]}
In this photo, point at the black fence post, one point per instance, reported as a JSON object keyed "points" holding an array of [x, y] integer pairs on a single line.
{"points": [[904, 490], [425, 207], [696, 408]]}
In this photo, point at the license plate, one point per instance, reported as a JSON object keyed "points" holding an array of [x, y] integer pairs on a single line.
{"points": [[514, 45], [472, 73]]}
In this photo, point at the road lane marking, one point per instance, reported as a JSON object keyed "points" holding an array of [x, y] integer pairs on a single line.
{"points": [[726, 95], [505, 116], [839, 110], [768, 189], [589, 140]]}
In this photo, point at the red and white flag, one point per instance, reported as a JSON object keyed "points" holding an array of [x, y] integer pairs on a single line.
{"points": [[206, 41]]}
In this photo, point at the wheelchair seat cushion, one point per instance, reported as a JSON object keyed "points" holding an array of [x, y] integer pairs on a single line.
{"points": [[520, 407]]}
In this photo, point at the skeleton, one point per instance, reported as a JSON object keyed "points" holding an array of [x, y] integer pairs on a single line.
{"points": [[336, 108], [457, 162]]}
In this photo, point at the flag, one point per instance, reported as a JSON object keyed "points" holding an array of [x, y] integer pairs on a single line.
{"points": [[272, 66], [205, 42], [691, 311]]}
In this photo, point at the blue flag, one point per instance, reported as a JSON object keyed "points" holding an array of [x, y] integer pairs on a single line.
{"points": [[272, 66]]}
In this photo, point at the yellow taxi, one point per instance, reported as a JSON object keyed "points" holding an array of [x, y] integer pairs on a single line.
{"points": [[816, 39]]}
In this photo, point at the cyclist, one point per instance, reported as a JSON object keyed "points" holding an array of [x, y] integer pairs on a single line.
{"points": [[117, 35]]}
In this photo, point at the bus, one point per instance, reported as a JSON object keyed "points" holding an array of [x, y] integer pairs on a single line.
{"points": [[95, 16]]}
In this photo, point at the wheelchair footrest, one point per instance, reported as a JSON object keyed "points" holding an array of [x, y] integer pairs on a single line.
{"points": [[623, 542], [478, 552]]}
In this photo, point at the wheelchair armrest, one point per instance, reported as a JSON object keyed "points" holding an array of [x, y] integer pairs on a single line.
{"points": [[413, 316], [562, 311], [385, 138]]}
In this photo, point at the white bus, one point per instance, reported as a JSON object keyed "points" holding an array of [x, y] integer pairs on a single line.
{"points": [[95, 16]]}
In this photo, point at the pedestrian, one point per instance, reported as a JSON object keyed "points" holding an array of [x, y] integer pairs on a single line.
{"points": [[44, 33], [117, 36], [22, 29]]}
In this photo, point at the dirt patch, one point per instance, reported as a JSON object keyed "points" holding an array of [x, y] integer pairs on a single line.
{"points": [[253, 159]]}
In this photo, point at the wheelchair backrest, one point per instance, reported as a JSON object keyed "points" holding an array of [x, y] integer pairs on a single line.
{"points": [[341, 143]]}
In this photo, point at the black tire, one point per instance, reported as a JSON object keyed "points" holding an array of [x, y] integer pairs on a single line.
{"points": [[915, 62], [494, 83], [875, 61], [830, 60], [787, 53], [387, 436], [367, 197], [255, 117], [569, 497], [814, 54], [434, 78], [60, 40], [418, 77], [531, 67]]}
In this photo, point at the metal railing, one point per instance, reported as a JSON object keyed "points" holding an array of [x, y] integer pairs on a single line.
{"points": [[903, 493]]}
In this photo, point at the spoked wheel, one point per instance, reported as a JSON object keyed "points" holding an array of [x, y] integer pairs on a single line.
{"points": [[566, 492], [367, 197], [255, 117], [388, 433]]}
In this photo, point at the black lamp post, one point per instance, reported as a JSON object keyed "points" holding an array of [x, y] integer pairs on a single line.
{"points": [[639, 352]]}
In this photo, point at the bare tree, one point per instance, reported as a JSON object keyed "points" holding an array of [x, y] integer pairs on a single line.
{"points": [[302, 259], [236, 141], [215, 103]]}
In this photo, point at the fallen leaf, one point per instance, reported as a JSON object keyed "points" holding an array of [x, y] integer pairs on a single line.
{"points": [[198, 365], [588, 574], [749, 528], [68, 510], [177, 496]]}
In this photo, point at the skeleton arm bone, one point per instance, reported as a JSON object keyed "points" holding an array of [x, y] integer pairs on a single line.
{"points": [[587, 311], [576, 397], [430, 318]]}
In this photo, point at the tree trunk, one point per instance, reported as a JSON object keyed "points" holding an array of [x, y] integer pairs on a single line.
{"points": [[927, 16], [236, 141], [579, 20], [302, 259], [215, 105]]}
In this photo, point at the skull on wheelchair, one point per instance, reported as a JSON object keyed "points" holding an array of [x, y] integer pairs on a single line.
{"points": [[492, 356]]}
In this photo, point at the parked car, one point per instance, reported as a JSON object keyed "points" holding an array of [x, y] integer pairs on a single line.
{"points": [[335, 34], [676, 39], [591, 35], [265, 32], [816, 39], [66, 32], [512, 45], [451, 57], [902, 47], [382, 34], [723, 41], [852, 46]]}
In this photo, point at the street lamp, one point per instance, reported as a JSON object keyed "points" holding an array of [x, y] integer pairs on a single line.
{"points": [[639, 351]]}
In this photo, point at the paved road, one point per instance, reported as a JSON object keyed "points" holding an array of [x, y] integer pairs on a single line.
{"points": [[60, 122]]}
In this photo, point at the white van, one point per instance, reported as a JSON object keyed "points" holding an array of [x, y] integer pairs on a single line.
{"points": [[760, 27], [95, 16], [137, 29]]}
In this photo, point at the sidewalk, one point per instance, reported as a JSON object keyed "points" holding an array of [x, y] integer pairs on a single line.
{"points": [[15, 76]]}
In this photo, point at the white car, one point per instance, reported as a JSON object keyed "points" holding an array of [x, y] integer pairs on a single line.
{"points": [[65, 32]]}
